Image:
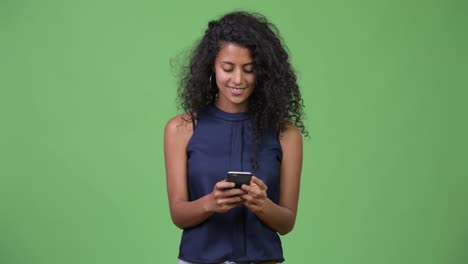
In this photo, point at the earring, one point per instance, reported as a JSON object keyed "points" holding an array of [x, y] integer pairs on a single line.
{"points": [[211, 78]]}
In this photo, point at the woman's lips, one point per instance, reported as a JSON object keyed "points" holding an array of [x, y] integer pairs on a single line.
{"points": [[236, 91]]}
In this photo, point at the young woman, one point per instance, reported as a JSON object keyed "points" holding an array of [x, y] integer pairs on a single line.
{"points": [[243, 112]]}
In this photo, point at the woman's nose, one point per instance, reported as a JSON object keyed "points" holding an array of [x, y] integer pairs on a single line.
{"points": [[237, 77]]}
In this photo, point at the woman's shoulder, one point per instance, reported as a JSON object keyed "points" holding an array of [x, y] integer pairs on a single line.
{"points": [[180, 125], [291, 133]]}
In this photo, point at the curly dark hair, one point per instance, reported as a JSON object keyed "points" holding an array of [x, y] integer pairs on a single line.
{"points": [[276, 99]]}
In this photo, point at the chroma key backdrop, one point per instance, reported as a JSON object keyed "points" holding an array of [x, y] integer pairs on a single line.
{"points": [[86, 88]]}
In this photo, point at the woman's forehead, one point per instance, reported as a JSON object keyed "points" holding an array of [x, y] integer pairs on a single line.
{"points": [[234, 53]]}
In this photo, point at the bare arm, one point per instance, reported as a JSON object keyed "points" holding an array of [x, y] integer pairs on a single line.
{"points": [[279, 217], [186, 213]]}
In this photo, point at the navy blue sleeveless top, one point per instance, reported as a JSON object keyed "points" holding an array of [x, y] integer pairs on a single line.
{"points": [[222, 142]]}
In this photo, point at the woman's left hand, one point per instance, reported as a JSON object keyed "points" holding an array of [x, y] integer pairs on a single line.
{"points": [[255, 194]]}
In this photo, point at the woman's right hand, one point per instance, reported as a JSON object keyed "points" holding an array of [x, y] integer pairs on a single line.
{"points": [[224, 197]]}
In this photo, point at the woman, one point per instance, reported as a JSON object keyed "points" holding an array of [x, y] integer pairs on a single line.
{"points": [[243, 113]]}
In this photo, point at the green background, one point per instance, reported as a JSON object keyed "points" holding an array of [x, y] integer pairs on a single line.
{"points": [[87, 87]]}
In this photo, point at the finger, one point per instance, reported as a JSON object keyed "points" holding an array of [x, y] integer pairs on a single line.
{"points": [[224, 193], [246, 188], [224, 185], [234, 192], [252, 201], [247, 198], [229, 201], [227, 193], [259, 182], [250, 188], [254, 191]]}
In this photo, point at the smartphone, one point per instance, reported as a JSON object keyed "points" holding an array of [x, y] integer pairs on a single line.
{"points": [[239, 178]]}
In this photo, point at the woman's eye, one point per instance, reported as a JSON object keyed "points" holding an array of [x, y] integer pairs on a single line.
{"points": [[245, 70]]}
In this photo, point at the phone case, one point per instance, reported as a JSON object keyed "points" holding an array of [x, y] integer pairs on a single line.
{"points": [[239, 178]]}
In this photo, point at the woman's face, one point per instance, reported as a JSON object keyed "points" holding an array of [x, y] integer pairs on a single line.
{"points": [[235, 77]]}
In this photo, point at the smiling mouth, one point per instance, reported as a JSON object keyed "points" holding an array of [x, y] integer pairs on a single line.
{"points": [[237, 90]]}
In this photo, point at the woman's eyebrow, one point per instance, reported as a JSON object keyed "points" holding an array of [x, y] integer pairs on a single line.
{"points": [[230, 63]]}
